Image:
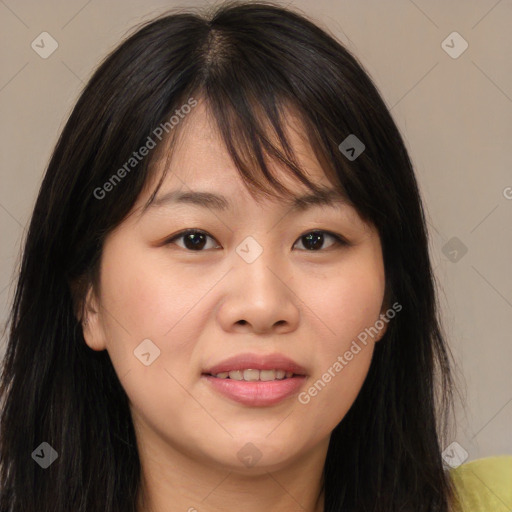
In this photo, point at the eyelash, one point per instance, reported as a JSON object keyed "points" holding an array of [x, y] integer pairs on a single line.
{"points": [[338, 239]]}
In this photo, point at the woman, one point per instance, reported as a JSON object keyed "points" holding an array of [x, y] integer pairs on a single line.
{"points": [[226, 298]]}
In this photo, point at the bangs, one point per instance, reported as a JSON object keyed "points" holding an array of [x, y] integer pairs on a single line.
{"points": [[253, 113], [256, 133]]}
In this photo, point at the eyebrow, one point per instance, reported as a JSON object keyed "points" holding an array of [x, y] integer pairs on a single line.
{"points": [[327, 197]]}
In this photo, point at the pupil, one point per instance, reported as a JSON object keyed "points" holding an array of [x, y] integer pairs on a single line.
{"points": [[196, 242], [314, 237]]}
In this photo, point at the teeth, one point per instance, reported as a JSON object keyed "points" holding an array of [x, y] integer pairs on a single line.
{"points": [[251, 375], [268, 374]]}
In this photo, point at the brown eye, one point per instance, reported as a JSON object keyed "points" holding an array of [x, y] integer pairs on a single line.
{"points": [[193, 239], [197, 240], [314, 240]]}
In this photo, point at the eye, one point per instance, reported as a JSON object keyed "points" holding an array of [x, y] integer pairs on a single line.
{"points": [[314, 240], [193, 239], [196, 240]]}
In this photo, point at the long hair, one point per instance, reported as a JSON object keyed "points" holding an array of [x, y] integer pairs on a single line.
{"points": [[253, 64]]}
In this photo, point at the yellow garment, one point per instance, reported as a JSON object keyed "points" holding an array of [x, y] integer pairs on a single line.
{"points": [[485, 485]]}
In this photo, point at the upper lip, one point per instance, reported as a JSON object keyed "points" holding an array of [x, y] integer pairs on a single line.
{"points": [[256, 362]]}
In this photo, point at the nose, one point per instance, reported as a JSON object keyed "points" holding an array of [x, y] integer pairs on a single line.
{"points": [[259, 298]]}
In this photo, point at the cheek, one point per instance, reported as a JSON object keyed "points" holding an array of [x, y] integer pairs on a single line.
{"points": [[150, 297], [147, 294], [347, 301], [145, 298], [346, 306]]}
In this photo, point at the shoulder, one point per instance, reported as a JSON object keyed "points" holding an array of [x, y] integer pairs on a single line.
{"points": [[485, 485]]}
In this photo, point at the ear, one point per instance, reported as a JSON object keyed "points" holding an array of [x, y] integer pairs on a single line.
{"points": [[382, 320], [383, 317], [385, 321], [92, 326]]}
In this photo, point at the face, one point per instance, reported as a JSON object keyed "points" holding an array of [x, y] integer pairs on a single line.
{"points": [[262, 286]]}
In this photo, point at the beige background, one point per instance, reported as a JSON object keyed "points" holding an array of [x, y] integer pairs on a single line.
{"points": [[455, 115]]}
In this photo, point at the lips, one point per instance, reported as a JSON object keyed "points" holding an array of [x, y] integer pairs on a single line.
{"points": [[260, 362], [256, 380]]}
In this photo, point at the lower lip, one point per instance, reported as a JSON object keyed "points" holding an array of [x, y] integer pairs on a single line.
{"points": [[256, 393]]}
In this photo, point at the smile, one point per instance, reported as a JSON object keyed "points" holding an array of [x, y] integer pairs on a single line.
{"points": [[252, 375]]}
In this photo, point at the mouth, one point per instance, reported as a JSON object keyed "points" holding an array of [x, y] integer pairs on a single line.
{"points": [[254, 375], [256, 380], [252, 367]]}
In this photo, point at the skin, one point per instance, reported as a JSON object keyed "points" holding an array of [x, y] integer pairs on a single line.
{"points": [[202, 307]]}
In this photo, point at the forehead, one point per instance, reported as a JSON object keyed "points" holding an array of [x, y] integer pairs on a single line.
{"points": [[199, 157]]}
